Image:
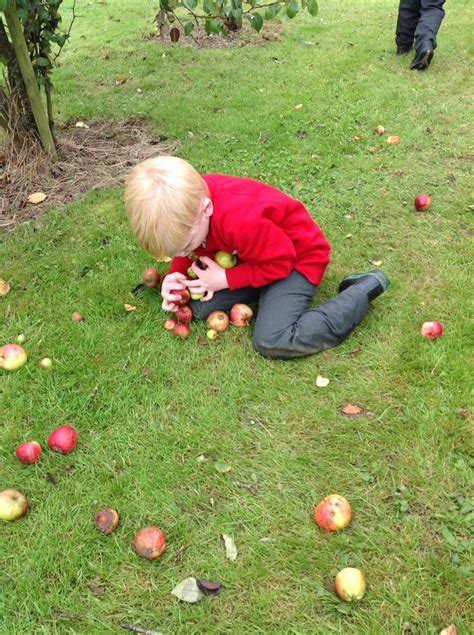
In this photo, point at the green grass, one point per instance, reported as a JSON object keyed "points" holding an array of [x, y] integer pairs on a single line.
{"points": [[404, 465]]}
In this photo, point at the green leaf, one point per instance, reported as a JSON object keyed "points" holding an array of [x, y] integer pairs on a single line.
{"points": [[256, 21], [3, 5], [450, 539], [213, 26], [237, 14], [188, 28], [192, 4], [292, 9], [210, 7], [42, 61], [272, 11], [312, 6]]}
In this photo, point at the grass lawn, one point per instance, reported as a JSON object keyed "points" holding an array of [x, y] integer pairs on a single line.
{"points": [[163, 405]]}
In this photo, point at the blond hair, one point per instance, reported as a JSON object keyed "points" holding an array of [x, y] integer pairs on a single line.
{"points": [[163, 198]]}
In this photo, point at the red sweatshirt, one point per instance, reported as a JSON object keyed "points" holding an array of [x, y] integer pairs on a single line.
{"points": [[271, 233]]}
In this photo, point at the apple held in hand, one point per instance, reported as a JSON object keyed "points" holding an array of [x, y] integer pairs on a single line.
{"points": [[151, 278], [150, 542], [350, 584], [63, 440], [183, 297], [218, 321], [225, 260], [192, 274], [29, 453], [13, 504], [241, 315], [432, 330], [197, 296], [12, 357], [423, 202], [184, 314], [333, 513]]}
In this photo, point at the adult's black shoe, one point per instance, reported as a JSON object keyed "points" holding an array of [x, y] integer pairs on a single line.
{"points": [[422, 60], [373, 282], [404, 50]]}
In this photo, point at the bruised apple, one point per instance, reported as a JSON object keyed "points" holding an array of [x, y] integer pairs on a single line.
{"points": [[170, 323], [29, 453], [151, 278], [432, 330], [106, 520], [333, 513], [225, 260], [184, 314], [150, 542], [63, 440], [350, 584], [12, 357], [241, 315], [218, 321]]}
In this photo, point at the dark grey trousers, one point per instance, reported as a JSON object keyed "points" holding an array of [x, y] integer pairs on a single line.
{"points": [[419, 21], [284, 327]]}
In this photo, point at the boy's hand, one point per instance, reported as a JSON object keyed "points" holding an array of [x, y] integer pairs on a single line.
{"points": [[209, 280], [172, 282]]}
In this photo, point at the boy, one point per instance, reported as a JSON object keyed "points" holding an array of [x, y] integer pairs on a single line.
{"points": [[282, 254]]}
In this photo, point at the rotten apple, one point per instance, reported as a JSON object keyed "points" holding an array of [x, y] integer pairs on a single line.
{"points": [[29, 453], [432, 330], [12, 357], [218, 321], [350, 584], [333, 513], [151, 278], [241, 315], [63, 440], [106, 520], [150, 542], [13, 504]]}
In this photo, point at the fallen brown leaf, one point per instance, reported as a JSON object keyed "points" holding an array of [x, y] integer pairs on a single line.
{"points": [[37, 197], [4, 287], [179, 554], [212, 388], [356, 138], [203, 341], [463, 412], [393, 140], [352, 410], [120, 81], [355, 352], [299, 107], [129, 307]]}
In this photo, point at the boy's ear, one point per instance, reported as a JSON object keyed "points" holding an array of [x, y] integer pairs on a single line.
{"points": [[207, 208]]}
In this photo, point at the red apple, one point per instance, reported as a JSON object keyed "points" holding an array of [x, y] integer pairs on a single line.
{"points": [[13, 504], [184, 314], [241, 315], [151, 278], [225, 260], [219, 321], [150, 542], [106, 520], [63, 440], [423, 202], [77, 316], [29, 453], [350, 584], [333, 513], [170, 323], [12, 357], [431, 330], [182, 330], [184, 297]]}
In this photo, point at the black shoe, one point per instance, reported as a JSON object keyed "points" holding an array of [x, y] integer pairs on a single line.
{"points": [[422, 60], [404, 50], [374, 282]]}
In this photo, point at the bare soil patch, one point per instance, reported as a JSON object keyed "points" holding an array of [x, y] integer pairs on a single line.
{"points": [[98, 154]]}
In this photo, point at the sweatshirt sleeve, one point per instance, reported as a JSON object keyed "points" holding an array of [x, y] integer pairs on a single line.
{"points": [[181, 264], [266, 252]]}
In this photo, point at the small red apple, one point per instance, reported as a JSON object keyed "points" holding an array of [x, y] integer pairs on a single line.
{"points": [[77, 317], [151, 278], [219, 321], [241, 315], [333, 513], [432, 330], [350, 584], [29, 453], [182, 330], [63, 440], [106, 520], [423, 202], [184, 297], [225, 260], [184, 314], [13, 504], [12, 357], [170, 323], [150, 542]]}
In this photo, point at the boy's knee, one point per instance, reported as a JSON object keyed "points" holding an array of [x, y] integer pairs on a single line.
{"points": [[200, 310], [263, 346]]}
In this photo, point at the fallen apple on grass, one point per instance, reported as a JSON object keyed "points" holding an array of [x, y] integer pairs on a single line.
{"points": [[350, 584], [13, 504], [21, 339], [218, 321], [63, 440], [46, 363], [150, 542], [211, 335], [184, 314], [106, 520], [151, 278], [423, 202], [12, 357], [432, 330], [241, 315], [29, 453], [77, 317], [225, 260], [333, 513], [170, 323], [182, 330]]}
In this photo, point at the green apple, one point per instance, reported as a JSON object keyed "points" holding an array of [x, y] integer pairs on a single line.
{"points": [[211, 335], [191, 274], [13, 504], [225, 260], [12, 357], [197, 296]]}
